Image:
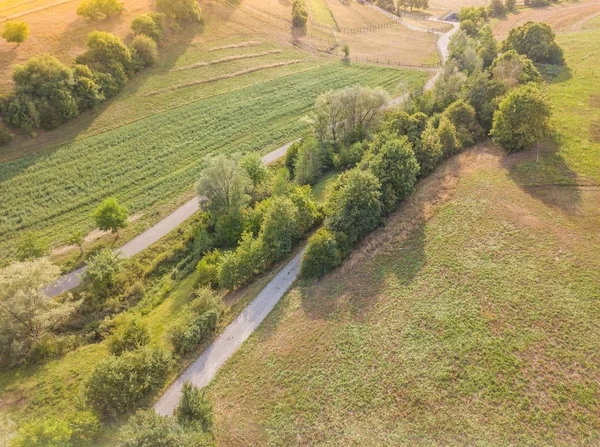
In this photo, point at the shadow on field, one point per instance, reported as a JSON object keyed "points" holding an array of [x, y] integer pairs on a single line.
{"points": [[549, 180]]}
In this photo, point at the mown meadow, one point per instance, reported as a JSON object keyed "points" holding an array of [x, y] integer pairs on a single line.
{"points": [[154, 159]]}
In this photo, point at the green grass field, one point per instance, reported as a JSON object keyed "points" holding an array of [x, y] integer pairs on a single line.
{"points": [[320, 13], [471, 318], [152, 159]]}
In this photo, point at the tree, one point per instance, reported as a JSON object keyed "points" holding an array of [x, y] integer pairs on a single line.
{"points": [[281, 184], [308, 213], [102, 270], [488, 47], [130, 334], [180, 10], [322, 254], [308, 165], [26, 313], [469, 27], [536, 41], [99, 9], [77, 238], [32, 246], [354, 206], [346, 50], [496, 8], [222, 186], [279, 228], [429, 152], [447, 133], [15, 32], [255, 169], [510, 5], [513, 68], [149, 24], [110, 216], [290, 157], [144, 52], [462, 115], [299, 14], [483, 94], [194, 410], [401, 123], [85, 90], [522, 118], [118, 384], [396, 167]]}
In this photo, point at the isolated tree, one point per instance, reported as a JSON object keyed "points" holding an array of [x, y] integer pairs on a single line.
{"points": [[149, 24], [180, 10], [26, 313], [354, 206], [15, 32], [396, 168], [536, 41], [195, 410], [255, 169], [299, 14], [222, 186], [77, 238], [32, 246], [346, 50], [110, 216], [522, 118], [100, 9]]}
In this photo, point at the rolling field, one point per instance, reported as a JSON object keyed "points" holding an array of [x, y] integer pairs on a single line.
{"points": [[346, 15], [153, 159], [318, 13], [471, 318]]}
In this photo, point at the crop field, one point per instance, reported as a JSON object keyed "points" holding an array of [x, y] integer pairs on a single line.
{"points": [[563, 17], [154, 159], [478, 299], [319, 13]]}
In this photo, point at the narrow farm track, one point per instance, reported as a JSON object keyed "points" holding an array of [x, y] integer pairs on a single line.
{"points": [[150, 236], [204, 369]]}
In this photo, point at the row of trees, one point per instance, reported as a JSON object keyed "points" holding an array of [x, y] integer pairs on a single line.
{"points": [[48, 93], [391, 6]]}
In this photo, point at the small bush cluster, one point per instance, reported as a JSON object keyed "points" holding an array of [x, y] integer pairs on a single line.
{"points": [[100, 9], [186, 338]]}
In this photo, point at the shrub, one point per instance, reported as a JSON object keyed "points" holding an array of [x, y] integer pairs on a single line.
{"points": [[84, 426], [496, 8], [308, 213], [194, 410], [281, 185], [411, 126], [279, 228], [208, 269], [118, 384], [181, 10], [107, 54], [32, 246], [5, 136], [536, 41], [290, 157], [429, 152], [131, 334], [350, 155], [462, 115], [186, 337], [100, 9], [102, 270], [513, 68], [46, 432], [354, 206], [322, 254], [205, 300], [149, 24], [396, 167], [146, 428], [15, 32], [447, 133], [237, 267], [85, 88], [308, 165], [522, 118], [469, 27], [144, 52], [229, 228], [255, 169]]}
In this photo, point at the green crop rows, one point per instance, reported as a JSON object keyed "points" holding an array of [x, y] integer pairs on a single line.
{"points": [[154, 159]]}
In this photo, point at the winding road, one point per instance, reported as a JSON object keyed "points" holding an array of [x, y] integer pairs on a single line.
{"points": [[204, 369]]}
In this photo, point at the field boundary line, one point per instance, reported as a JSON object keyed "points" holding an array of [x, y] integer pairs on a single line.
{"points": [[227, 59]]}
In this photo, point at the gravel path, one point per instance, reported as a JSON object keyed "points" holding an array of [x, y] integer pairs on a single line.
{"points": [[150, 236], [202, 371]]}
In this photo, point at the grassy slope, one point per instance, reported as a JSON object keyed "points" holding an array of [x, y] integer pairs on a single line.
{"points": [[471, 318]]}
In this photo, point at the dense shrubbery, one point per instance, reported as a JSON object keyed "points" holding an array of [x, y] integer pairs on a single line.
{"points": [[194, 409], [181, 10], [536, 41], [118, 384], [149, 24], [187, 337], [79, 429], [130, 334], [100, 9]]}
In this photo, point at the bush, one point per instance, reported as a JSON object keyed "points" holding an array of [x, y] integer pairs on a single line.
{"points": [[46, 432], [205, 300], [181, 10], [350, 155], [131, 334], [447, 133], [290, 157], [322, 254], [118, 384], [281, 186], [229, 228], [306, 206], [144, 52], [429, 152], [396, 168], [308, 164], [462, 115], [354, 206], [149, 24], [411, 126], [5, 136], [102, 270], [186, 337], [15, 32], [32, 246], [279, 228], [208, 269], [194, 410], [237, 267], [469, 27], [85, 88], [496, 8], [100, 9], [107, 54]]}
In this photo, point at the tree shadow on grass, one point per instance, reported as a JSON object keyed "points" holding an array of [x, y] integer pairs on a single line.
{"points": [[550, 179]]}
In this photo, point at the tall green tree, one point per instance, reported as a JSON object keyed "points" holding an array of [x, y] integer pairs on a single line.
{"points": [[522, 118], [110, 215], [535, 40], [255, 169]]}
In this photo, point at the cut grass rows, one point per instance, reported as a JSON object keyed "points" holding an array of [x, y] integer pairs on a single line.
{"points": [[227, 59], [156, 158]]}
